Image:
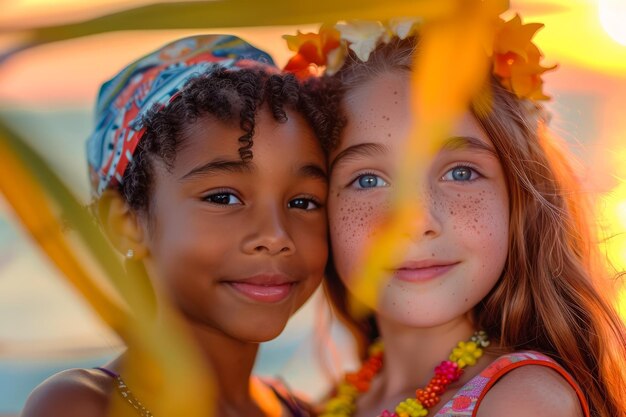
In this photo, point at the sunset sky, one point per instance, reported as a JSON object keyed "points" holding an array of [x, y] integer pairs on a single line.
{"points": [[71, 71]]}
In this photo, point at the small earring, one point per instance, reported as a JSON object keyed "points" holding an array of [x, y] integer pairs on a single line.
{"points": [[130, 254]]}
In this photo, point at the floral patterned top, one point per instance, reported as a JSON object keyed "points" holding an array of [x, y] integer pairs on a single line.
{"points": [[465, 402]]}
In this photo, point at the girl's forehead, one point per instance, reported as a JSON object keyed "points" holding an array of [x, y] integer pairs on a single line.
{"points": [[285, 143], [382, 90], [379, 111]]}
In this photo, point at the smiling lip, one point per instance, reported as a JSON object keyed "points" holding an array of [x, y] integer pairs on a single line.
{"points": [[422, 271], [270, 288]]}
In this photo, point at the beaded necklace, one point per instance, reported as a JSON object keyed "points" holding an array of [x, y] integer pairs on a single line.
{"points": [[343, 404], [284, 397]]}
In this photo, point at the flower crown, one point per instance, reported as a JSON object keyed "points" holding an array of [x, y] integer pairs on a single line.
{"points": [[515, 58]]}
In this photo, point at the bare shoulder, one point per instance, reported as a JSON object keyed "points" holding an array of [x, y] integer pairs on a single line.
{"points": [[75, 392], [531, 390]]}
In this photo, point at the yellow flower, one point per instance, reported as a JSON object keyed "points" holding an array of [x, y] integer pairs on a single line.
{"points": [[516, 59]]}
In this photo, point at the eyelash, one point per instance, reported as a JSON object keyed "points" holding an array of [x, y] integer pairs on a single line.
{"points": [[311, 199], [318, 204], [365, 174], [469, 165], [221, 193]]}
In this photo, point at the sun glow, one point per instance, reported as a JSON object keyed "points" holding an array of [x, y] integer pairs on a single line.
{"points": [[614, 213], [612, 17]]}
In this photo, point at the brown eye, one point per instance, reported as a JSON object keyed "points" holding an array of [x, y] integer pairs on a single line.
{"points": [[223, 199], [303, 204]]}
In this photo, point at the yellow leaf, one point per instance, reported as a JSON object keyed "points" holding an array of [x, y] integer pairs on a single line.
{"points": [[163, 364], [240, 13]]}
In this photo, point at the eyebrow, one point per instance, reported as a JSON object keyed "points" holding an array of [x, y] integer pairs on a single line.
{"points": [[313, 171], [468, 142], [377, 149], [361, 149], [219, 166]]}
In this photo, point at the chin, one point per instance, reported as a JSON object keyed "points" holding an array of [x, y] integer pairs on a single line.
{"points": [[256, 326], [417, 317], [258, 334]]}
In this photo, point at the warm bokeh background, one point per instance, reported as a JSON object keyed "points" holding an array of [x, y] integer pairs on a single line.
{"points": [[47, 94]]}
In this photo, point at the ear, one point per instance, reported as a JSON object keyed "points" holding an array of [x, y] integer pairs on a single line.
{"points": [[123, 225]]}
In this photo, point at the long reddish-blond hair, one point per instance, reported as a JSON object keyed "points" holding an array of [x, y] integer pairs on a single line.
{"points": [[551, 296]]}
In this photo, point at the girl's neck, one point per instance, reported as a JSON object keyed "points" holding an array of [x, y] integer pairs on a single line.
{"points": [[231, 361], [411, 354]]}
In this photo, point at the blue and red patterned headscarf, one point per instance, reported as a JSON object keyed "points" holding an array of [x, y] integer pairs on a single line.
{"points": [[154, 80]]}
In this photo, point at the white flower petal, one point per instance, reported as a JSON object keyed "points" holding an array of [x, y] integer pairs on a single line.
{"points": [[363, 36], [357, 30], [387, 36], [364, 48], [403, 27], [336, 58]]}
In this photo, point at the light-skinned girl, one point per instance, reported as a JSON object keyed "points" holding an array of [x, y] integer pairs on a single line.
{"points": [[494, 309]]}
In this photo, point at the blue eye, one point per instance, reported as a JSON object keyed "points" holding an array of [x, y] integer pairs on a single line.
{"points": [[303, 204], [222, 199], [369, 181], [461, 173]]}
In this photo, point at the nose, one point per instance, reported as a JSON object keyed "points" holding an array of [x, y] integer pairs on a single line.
{"points": [[268, 234], [426, 223]]}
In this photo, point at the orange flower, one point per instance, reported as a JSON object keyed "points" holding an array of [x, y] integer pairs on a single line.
{"points": [[516, 59], [312, 50]]}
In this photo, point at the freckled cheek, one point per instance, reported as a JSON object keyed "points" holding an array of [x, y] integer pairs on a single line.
{"points": [[481, 222], [354, 222]]}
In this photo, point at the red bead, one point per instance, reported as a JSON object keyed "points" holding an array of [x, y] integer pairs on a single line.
{"points": [[446, 373], [430, 402], [427, 397], [362, 386], [351, 378]]}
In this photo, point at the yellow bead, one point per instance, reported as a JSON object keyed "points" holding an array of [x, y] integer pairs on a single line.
{"points": [[343, 405], [466, 354], [375, 349], [338, 406], [347, 389], [411, 407]]}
